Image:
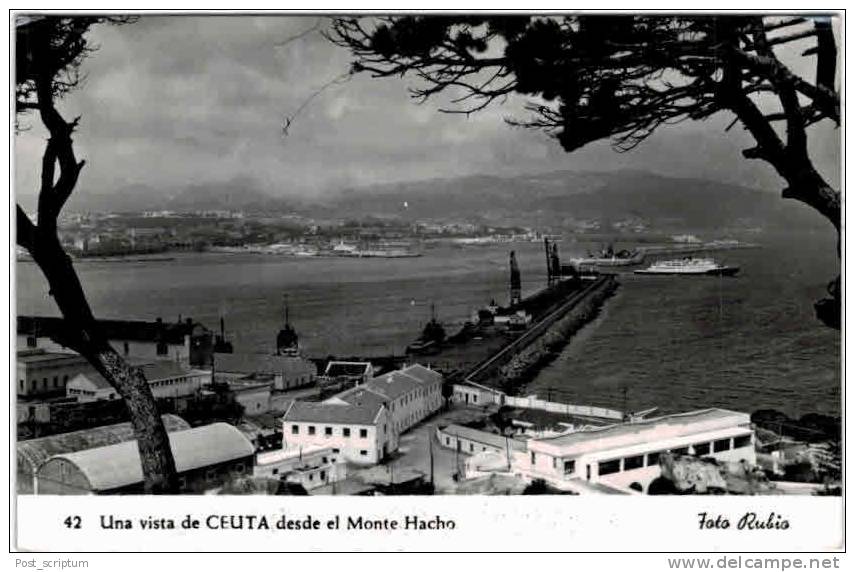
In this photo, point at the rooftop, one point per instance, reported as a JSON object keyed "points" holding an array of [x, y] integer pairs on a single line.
{"points": [[628, 434], [36, 451], [362, 396], [484, 437], [116, 466], [41, 356], [304, 411], [131, 330], [259, 363], [393, 384], [347, 368]]}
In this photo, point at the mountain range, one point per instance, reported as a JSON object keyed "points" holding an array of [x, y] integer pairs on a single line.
{"points": [[558, 198]]}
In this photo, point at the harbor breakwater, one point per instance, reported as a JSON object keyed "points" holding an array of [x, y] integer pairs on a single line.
{"points": [[525, 365]]}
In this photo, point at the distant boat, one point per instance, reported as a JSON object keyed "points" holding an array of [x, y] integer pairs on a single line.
{"points": [[689, 265], [608, 258]]}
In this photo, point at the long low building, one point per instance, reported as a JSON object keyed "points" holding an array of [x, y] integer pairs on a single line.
{"points": [[285, 371], [627, 455], [33, 452], [166, 379], [617, 457], [205, 458], [410, 394]]}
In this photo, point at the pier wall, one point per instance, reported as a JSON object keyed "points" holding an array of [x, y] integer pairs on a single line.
{"points": [[493, 370], [532, 402]]}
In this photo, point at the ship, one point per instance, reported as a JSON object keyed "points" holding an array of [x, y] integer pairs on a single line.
{"points": [[689, 265], [432, 336], [608, 257]]}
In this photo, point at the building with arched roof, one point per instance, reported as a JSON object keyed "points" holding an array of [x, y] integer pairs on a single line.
{"points": [[33, 452], [205, 457]]}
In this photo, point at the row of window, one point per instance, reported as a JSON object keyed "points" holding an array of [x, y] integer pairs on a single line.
{"points": [[328, 431], [34, 384], [698, 449], [165, 382], [419, 393]]}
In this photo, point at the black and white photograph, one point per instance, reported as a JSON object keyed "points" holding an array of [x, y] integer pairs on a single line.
{"points": [[421, 255]]}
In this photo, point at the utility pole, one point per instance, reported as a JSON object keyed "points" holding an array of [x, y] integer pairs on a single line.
{"points": [[430, 449]]}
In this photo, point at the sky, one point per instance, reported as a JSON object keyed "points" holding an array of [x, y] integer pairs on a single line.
{"points": [[174, 101]]}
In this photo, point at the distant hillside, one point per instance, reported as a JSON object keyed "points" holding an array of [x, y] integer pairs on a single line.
{"points": [[241, 194], [557, 199], [562, 197]]}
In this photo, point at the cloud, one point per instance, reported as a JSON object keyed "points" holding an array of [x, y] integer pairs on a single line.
{"points": [[175, 101]]}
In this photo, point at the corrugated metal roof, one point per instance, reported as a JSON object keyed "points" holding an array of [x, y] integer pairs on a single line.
{"points": [[304, 411], [117, 466], [36, 451]]}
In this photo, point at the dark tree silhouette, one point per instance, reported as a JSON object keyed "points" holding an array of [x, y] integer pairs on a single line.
{"points": [[48, 54], [621, 77]]}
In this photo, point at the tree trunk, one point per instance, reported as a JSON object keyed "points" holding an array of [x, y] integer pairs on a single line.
{"points": [[808, 186], [82, 333]]}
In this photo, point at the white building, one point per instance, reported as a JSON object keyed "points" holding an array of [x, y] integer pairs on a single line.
{"points": [[355, 372], [311, 467], [361, 433], [43, 373], [626, 456], [410, 395], [166, 379], [286, 372]]}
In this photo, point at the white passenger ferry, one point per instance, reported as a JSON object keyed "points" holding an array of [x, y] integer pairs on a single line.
{"points": [[689, 265]]}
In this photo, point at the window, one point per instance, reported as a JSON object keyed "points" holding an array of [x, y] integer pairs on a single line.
{"points": [[346, 431], [21, 384], [609, 467], [323, 475], [324, 460], [569, 467], [363, 433], [554, 463], [471, 447], [328, 431], [533, 457], [701, 449], [680, 451], [363, 453], [335, 451], [311, 429], [56, 381], [741, 441], [474, 399], [447, 441], [635, 462], [311, 477], [721, 445], [44, 383]]}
